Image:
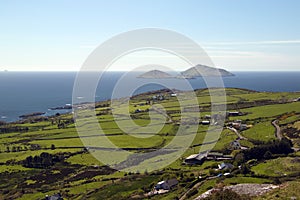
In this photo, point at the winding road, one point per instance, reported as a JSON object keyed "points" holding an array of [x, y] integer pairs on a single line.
{"points": [[278, 132], [237, 133]]}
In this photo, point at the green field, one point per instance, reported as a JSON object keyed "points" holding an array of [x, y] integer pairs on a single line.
{"points": [[278, 167], [261, 131]]}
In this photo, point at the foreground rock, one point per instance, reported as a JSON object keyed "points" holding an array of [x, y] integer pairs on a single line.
{"points": [[243, 189], [32, 115]]}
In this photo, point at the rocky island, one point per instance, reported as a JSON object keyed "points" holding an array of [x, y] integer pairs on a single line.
{"points": [[193, 72], [203, 70], [155, 74], [31, 115]]}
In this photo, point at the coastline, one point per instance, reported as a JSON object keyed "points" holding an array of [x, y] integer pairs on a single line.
{"points": [[40, 91], [68, 108]]}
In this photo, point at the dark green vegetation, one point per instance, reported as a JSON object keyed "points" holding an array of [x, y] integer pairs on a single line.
{"points": [[44, 155]]}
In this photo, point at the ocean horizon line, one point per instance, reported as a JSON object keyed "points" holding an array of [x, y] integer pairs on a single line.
{"points": [[37, 71]]}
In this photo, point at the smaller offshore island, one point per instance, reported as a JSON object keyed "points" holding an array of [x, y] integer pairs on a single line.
{"points": [[191, 73]]}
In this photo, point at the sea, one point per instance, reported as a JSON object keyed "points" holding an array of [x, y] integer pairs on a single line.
{"points": [[28, 92]]}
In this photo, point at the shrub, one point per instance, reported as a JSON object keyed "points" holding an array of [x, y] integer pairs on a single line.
{"points": [[192, 193]]}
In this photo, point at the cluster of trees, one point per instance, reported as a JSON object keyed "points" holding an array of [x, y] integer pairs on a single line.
{"points": [[44, 160], [64, 123], [32, 147], [61, 123], [102, 105], [264, 151], [10, 129], [14, 149], [104, 112]]}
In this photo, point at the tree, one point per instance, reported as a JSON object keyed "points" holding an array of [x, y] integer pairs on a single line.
{"points": [[192, 192], [36, 162], [239, 159], [52, 146], [28, 161], [19, 148], [277, 181], [44, 160], [14, 149], [283, 146], [268, 155], [245, 169]]}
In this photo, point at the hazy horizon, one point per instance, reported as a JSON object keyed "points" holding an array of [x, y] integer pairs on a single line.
{"points": [[5, 71]]}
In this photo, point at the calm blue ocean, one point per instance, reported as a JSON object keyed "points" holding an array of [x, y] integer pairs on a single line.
{"points": [[27, 92]]}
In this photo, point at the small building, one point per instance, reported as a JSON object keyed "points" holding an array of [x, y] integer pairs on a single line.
{"points": [[235, 113], [161, 185], [218, 156], [207, 117], [243, 127], [173, 95], [158, 97], [54, 197], [225, 166], [239, 126], [218, 119], [166, 185], [236, 125], [214, 155], [196, 159], [201, 157], [205, 122], [235, 145], [138, 110]]}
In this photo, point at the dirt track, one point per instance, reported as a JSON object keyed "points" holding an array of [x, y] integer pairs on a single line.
{"points": [[278, 132]]}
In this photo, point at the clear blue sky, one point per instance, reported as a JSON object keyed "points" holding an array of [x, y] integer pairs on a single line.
{"points": [[58, 35]]}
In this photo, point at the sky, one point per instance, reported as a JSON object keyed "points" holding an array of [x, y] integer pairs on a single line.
{"points": [[58, 35]]}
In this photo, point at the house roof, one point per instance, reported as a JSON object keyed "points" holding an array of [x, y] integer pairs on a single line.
{"points": [[172, 182], [54, 197], [160, 182], [192, 156], [235, 142], [196, 156], [225, 165], [215, 154]]}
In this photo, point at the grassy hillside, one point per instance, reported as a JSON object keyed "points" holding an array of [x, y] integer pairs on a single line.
{"points": [[62, 163]]}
